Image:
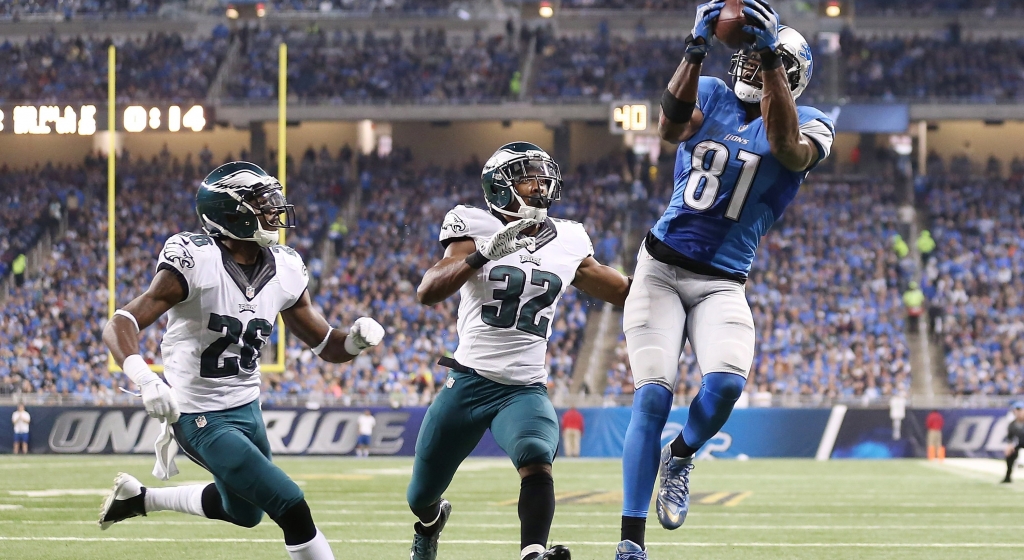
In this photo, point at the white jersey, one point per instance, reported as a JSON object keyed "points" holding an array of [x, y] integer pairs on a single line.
{"points": [[21, 421], [212, 346], [508, 307]]}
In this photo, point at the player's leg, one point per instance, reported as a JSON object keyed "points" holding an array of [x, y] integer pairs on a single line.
{"points": [[653, 322], [249, 483], [526, 428], [447, 436], [232, 445], [720, 328], [1011, 460]]}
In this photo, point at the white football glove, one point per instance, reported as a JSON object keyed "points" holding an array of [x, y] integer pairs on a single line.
{"points": [[365, 332], [156, 395], [503, 243], [159, 401]]}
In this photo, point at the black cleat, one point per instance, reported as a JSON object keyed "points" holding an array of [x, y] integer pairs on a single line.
{"points": [[424, 542], [557, 552], [126, 500]]}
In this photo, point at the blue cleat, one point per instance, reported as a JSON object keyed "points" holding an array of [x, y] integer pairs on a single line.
{"points": [[674, 495], [424, 541], [629, 550]]}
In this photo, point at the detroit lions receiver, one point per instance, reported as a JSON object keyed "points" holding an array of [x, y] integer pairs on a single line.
{"points": [[743, 153]]}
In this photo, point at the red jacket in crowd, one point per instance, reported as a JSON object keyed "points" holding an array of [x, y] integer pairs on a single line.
{"points": [[934, 421]]}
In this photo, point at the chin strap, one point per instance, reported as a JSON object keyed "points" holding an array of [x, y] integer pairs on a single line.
{"points": [[526, 211]]}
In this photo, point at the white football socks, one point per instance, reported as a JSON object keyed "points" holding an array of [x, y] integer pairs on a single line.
{"points": [[183, 499], [316, 549]]}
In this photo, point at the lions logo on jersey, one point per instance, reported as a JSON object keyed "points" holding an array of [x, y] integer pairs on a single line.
{"points": [[177, 253]]}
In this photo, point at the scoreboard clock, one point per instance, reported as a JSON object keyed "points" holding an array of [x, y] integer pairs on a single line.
{"points": [[630, 116], [87, 119]]}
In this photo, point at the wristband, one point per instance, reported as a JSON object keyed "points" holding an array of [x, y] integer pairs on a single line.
{"points": [[676, 111], [695, 52], [323, 343], [770, 60], [138, 370], [477, 260]]}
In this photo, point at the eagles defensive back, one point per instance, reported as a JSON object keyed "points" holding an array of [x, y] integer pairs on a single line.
{"points": [[743, 153], [511, 264], [222, 292]]}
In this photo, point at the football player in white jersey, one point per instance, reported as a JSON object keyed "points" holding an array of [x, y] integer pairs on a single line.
{"points": [[222, 292], [511, 264]]}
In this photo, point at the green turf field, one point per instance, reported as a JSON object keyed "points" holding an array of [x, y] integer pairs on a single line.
{"points": [[754, 509]]}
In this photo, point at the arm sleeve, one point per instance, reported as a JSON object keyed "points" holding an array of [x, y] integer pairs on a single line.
{"points": [[820, 129], [467, 222], [179, 257], [294, 275]]}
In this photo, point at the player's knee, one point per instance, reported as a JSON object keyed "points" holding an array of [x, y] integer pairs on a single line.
{"points": [[419, 496], [532, 450], [297, 524], [248, 517], [649, 366], [728, 386]]}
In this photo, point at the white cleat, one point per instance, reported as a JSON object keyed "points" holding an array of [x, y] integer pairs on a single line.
{"points": [[126, 500]]}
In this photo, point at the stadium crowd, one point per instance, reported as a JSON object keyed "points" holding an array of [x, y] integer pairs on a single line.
{"points": [[15, 9], [925, 67], [825, 295], [974, 281], [428, 67], [406, 7], [167, 67]]}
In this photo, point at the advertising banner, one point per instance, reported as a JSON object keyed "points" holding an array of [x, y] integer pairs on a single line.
{"points": [[291, 431], [966, 432], [752, 432]]}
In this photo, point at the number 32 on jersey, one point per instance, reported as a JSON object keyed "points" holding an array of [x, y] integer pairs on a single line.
{"points": [[706, 178]]}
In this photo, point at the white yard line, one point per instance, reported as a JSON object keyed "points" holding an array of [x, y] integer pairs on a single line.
{"points": [[516, 542], [690, 526]]}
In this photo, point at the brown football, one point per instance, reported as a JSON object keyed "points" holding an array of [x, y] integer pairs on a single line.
{"points": [[729, 27]]}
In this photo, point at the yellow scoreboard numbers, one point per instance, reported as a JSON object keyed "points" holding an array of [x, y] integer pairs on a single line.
{"points": [[630, 116], [87, 119]]}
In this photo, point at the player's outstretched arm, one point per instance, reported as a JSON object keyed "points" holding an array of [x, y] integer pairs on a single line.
{"points": [[602, 281], [327, 342], [121, 335], [680, 118], [792, 148]]}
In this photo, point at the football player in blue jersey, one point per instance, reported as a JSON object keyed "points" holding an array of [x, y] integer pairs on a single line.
{"points": [[743, 153]]}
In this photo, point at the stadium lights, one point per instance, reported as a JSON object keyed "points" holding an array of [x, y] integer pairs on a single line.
{"points": [[231, 13], [546, 11], [833, 9]]}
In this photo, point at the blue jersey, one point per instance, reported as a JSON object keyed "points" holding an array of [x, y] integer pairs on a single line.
{"points": [[729, 188]]}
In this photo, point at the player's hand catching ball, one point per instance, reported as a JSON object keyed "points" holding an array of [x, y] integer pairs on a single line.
{"points": [[365, 332], [504, 242], [766, 24], [706, 16]]}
